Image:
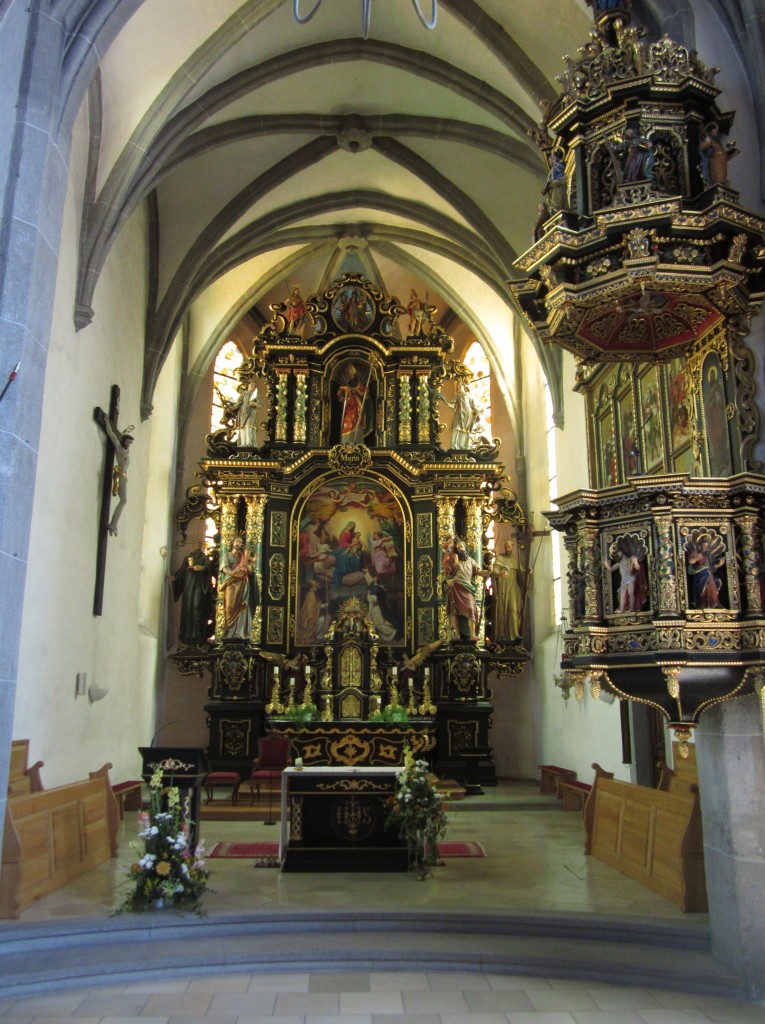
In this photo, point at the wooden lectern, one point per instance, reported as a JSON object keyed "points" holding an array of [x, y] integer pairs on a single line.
{"points": [[184, 767]]}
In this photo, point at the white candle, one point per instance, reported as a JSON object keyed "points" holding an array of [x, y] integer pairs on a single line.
{"points": [[427, 671], [308, 671], [394, 671]]}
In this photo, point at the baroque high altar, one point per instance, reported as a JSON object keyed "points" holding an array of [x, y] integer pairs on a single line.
{"points": [[335, 543]]}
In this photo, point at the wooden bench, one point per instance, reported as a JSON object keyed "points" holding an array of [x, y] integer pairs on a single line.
{"points": [[651, 836], [128, 796], [52, 837], [21, 778], [574, 794], [550, 776]]}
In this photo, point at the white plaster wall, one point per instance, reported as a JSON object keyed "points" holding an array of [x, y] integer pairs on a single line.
{"points": [[570, 734], [60, 635]]}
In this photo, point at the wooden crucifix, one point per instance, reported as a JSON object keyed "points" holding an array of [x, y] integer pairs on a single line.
{"points": [[114, 484]]}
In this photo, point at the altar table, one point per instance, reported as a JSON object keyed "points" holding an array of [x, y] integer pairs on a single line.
{"points": [[337, 820]]}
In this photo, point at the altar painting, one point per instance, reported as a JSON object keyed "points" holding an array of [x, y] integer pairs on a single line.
{"points": [[350, 545]]}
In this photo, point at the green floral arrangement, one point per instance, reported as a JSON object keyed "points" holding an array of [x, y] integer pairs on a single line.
{"points": [[166, 872], [393, 713], [298, 713], [417, 812]]}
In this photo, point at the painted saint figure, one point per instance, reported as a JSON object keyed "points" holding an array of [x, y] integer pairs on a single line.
{"points": [[238, 590], [715, 156], [461, 591], [191, 583], [506, 582]]}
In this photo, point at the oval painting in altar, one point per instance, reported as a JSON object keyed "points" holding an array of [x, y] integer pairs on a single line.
{"points": [[350, 545]]}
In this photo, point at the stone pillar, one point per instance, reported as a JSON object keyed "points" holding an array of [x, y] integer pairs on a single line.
{"points": [[731, 764]]}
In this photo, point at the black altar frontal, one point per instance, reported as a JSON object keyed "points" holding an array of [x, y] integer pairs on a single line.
{"points": [[333, 819]]}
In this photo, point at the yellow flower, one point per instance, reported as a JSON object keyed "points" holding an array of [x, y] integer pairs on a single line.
{"points": [[162, 869]]}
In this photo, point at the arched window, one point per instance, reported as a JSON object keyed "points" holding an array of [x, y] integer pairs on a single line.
{"points": [[225, 380], [480, 387]]}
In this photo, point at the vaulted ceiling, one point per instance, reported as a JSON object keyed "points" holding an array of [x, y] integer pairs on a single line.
{"points": [[271, 153]]}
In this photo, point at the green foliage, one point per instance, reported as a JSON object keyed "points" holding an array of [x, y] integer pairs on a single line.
{"points": [[393, 713], [299, 713], [166, 872]]}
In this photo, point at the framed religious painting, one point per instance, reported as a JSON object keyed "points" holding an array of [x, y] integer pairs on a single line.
{"points": [[628, 433], [714, 404], [607, 461], [649, 388], [353, 310], [679, 405], [351, 547]]}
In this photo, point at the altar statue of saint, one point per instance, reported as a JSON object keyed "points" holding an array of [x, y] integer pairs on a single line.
{"points": [[465, 419], [357, 408], [461, 591], [296, 313], [506, 582], [238, 589], [191, 583], [245, 408]]}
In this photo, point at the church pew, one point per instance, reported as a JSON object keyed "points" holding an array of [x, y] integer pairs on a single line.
{"points": [[52, 837], [23, 778], [651, 836]]}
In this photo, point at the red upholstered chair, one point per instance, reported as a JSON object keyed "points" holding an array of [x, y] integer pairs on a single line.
{"points": [[274, 755]]}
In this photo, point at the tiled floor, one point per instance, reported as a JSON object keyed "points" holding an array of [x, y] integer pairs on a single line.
{"points": [[375, 998], [534, 862]]}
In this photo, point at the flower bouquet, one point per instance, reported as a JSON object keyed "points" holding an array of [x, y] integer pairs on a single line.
{"points": [[418, 814], [166, 871]]}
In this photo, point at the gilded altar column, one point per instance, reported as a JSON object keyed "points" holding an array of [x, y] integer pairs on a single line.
{"points": [[593, 574], [227, 535], [301, 405], [751, 545], [404, 408], [256, 508], [423, 408], [669, 605], [282, 377], [445, 517], [473, 529]]}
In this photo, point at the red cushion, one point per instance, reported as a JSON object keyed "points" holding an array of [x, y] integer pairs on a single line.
{"points": [[222, 777]]}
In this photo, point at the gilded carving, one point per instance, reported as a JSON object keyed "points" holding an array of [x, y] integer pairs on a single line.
{"points": [[425, 577]]}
